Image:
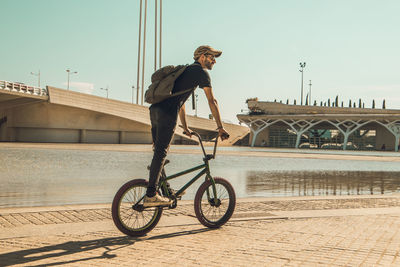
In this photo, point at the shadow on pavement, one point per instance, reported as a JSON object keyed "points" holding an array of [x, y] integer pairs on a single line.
{"points": [[65, 249], [182, 233]]}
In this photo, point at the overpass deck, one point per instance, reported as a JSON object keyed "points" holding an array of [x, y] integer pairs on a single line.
{"points": [[30, 107]]}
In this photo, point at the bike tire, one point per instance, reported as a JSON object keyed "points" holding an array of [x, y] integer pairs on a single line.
{"points": [[209, 214], [128, 220]]}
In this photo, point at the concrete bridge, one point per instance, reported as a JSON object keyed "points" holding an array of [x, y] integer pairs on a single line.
{"points": [[31, 114], [297, 120]]}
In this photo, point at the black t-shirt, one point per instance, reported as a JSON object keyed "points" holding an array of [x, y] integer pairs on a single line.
{"points": [[193, 76]]}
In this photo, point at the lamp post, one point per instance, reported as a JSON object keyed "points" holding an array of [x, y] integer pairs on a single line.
{"points": [[105, 89], [197, 99], [133, 94], [69, 72], [309, 95], [38, 75], [302, 66]]}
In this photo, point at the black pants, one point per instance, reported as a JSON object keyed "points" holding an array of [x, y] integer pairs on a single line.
{"points": [[162, 130]]}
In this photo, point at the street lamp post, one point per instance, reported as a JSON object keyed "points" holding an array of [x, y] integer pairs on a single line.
{"points": [[69, 72], [133, 94], [302, 66], [197, 99], [38, 75], [309, 95], [105, 89]]}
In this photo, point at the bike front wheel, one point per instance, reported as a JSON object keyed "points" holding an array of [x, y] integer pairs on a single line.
{"points": [[214, 206], [128, 213]]}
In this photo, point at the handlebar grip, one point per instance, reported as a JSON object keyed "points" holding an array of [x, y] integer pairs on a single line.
{"points": [[224, 136], [192, 133]]}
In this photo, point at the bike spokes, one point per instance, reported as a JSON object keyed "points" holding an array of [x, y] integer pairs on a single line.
{"points": [[215, 205], [129, 215]]}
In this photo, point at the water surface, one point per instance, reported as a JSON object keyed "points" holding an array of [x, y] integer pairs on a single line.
{"points": [[41, 177]]}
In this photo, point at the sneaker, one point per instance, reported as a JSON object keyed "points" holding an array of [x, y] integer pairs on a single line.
{"points": [[156, 200], [173, 192]]}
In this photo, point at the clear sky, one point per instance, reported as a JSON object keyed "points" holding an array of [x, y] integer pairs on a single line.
{"points": [[351, 47]]}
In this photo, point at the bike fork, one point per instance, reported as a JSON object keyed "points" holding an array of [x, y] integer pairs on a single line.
{"points": [[213, 199]]}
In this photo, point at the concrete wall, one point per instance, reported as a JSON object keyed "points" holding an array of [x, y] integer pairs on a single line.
{"points": [[45, 122], [384, 137], [25, 134], [263, 135], [3, 125]]}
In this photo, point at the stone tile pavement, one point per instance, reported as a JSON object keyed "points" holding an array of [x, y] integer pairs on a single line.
{"points": [[306, 231]]}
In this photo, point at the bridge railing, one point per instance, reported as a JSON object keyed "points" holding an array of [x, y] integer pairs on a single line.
{"points": [[22, 88]]}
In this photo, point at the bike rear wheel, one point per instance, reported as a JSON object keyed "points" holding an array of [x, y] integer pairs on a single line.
{"points": [[128, 213], [212, 211]]}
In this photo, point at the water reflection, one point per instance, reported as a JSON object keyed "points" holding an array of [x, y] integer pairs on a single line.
{"points": [[41, 177], [314, 183]]}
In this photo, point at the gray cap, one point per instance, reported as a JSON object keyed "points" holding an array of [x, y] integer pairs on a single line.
{"points": [[206, 50]]}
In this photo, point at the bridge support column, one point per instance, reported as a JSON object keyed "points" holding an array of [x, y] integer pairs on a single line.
{"points": [[122, 136], [3, 126], [347, 127], [394, 128], [82, 136], [256, 127], [300, 127]]}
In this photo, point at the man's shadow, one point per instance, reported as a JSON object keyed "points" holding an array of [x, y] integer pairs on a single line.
{"points": [[72, 247]]}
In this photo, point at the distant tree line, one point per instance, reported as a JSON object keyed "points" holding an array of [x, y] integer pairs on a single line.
{"points": [[330, 103]]}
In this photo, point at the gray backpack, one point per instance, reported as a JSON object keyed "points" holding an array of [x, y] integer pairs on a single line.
{"points": [[162, 83]]}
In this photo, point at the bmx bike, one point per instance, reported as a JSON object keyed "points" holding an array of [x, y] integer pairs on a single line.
{"points": [[214, 202]]}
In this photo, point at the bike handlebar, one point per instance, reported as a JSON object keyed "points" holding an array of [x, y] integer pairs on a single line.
{"points": [[202, 146]]}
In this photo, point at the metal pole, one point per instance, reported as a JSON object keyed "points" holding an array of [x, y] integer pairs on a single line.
{"points": [[69, 73], [37, 74], [68, 80], [138, 63], [159, 54], [105, 89], [197, 98], [309, 95], [144, 48], [301, 102], [155, 37], [302, 66]]}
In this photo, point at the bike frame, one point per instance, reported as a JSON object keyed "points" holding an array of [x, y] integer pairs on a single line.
{"points": [[205, 169]]}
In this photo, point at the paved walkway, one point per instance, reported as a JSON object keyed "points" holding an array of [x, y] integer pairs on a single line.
{"points": [[303, 231]]}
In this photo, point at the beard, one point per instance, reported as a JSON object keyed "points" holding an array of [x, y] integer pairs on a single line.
{"points": [[208, 64]]}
